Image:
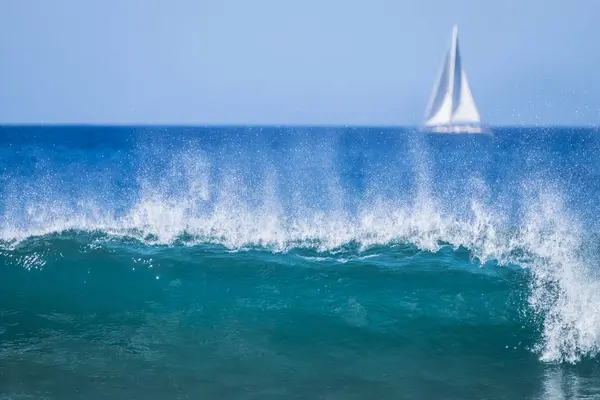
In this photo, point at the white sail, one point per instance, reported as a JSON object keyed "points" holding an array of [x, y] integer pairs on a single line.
{"points": [[451, 107], [465, 111]]}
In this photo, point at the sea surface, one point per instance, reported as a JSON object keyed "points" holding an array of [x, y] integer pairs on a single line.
{"points": [[298, 263]]}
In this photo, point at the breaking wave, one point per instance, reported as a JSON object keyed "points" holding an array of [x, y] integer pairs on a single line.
{"points": [[302, 203]]}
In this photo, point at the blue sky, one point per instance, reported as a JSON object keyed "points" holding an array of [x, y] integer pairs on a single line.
{"points": [[305, 62]]}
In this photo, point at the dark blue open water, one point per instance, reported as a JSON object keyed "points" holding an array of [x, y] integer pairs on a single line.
{"points": [[298, 263]]}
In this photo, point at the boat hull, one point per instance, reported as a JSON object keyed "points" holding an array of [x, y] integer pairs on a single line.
{"points": [[457, 129]]}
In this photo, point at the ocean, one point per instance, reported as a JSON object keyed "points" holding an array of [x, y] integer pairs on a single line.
{"points": [[298, 263]]}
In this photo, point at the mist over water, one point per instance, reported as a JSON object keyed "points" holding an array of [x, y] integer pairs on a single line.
{"points": [[301, 250]]}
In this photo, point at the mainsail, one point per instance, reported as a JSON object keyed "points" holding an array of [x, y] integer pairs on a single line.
{"points": [[451, 107]]}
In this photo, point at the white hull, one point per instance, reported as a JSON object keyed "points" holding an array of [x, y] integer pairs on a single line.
{"points": [[456, 129]]}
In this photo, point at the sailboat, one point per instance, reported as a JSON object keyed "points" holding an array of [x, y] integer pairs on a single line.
{"points": [[451, 108]]}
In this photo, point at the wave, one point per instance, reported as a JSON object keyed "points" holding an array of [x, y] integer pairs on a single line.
{"points": [[300, 203], [562, 292]]}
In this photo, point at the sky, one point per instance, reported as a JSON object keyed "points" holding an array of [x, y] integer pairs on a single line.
{"points": [[293, 62]]}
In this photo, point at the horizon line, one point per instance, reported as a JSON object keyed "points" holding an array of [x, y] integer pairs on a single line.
{"points": [[252, 125]]}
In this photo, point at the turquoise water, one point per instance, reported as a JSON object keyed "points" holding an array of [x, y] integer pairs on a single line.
{"points": [[351, 263]]}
